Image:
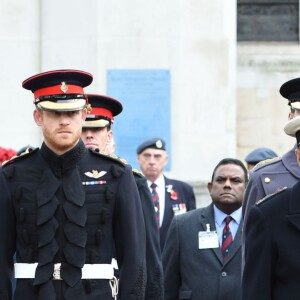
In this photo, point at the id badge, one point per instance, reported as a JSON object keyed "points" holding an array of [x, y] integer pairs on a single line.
{"points": [[208, 239]]}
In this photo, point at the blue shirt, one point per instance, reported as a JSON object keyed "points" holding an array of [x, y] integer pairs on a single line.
{"points": [[233, 225]]}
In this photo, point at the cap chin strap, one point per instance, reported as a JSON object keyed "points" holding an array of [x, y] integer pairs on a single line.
{"points": [[295, 104], [70, 102], [104, 149], [63, 106], [59, 97]]}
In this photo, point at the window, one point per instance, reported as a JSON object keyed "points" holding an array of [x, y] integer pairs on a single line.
{"points": [[267, 20]]}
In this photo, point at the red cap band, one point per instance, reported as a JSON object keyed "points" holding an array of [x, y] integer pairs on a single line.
{"points": [[59, 89], [102, 112]]}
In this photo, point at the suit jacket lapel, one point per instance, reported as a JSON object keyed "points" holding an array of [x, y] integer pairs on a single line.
{"points": [[168, 204], [207, 217]]}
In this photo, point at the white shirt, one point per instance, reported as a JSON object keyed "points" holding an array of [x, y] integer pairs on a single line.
{"points": [[161, 190]]}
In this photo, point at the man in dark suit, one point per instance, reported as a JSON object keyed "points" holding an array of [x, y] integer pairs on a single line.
{"points": [[202, 254], [97, 134], [272, 242], [174, 197]]}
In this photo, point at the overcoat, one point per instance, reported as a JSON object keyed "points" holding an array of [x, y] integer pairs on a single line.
{"points": [[272, 247], [270, 176], [154, 286]]}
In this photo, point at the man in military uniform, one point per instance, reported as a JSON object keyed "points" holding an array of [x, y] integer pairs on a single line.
{"points": [[272, 242], [97, 134], [65, 210], [266, 178]]}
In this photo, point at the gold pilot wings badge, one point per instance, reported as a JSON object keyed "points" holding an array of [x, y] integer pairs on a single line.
{"points": [[95, 174]]}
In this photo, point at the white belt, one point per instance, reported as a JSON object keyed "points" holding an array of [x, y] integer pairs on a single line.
{"points": [[89, 271]]}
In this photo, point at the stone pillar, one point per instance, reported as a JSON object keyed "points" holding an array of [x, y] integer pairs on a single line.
{"points": [[20, 58]]}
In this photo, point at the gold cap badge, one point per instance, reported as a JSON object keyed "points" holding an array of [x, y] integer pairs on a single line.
{"points": [[89, 108], [64, 87]]}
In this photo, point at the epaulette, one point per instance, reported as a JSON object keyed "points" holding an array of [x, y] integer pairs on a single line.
{"points": [[113, 157], [270, 196], [267, 161], [25, 153], [137, 172]]}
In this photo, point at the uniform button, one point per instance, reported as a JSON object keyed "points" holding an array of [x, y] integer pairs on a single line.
{"points": [[223, 274]]}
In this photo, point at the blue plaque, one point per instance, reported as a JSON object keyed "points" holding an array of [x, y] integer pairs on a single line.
{"points": [[145, 95]]}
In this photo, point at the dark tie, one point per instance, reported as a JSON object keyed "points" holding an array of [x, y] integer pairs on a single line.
{"points": [[226, 238], [155, 199]]}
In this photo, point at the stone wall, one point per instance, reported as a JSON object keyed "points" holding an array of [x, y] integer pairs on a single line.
{"points": [[261, 111]]}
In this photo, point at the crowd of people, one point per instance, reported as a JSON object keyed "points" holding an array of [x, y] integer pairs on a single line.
{"points": [[77, 222]]}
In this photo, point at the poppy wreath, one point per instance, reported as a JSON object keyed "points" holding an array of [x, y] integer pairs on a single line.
{"points": [[6, 154]]}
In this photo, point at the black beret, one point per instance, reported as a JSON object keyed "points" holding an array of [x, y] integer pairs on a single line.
{"points": [[153, 143]]}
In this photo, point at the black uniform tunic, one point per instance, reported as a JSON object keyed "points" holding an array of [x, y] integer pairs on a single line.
{"points": [[154, 287], [52, 210]]}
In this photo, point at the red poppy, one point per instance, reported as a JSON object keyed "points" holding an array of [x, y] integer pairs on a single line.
{"points": [[174, 195], [6, 154]]}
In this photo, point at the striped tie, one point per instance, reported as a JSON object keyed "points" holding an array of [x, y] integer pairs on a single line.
{"points": [[155, 199], [226, 238]]}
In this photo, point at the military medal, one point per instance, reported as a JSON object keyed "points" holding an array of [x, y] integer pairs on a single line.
{"points": [[94, 174], [179, 208], [94, 182]]}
